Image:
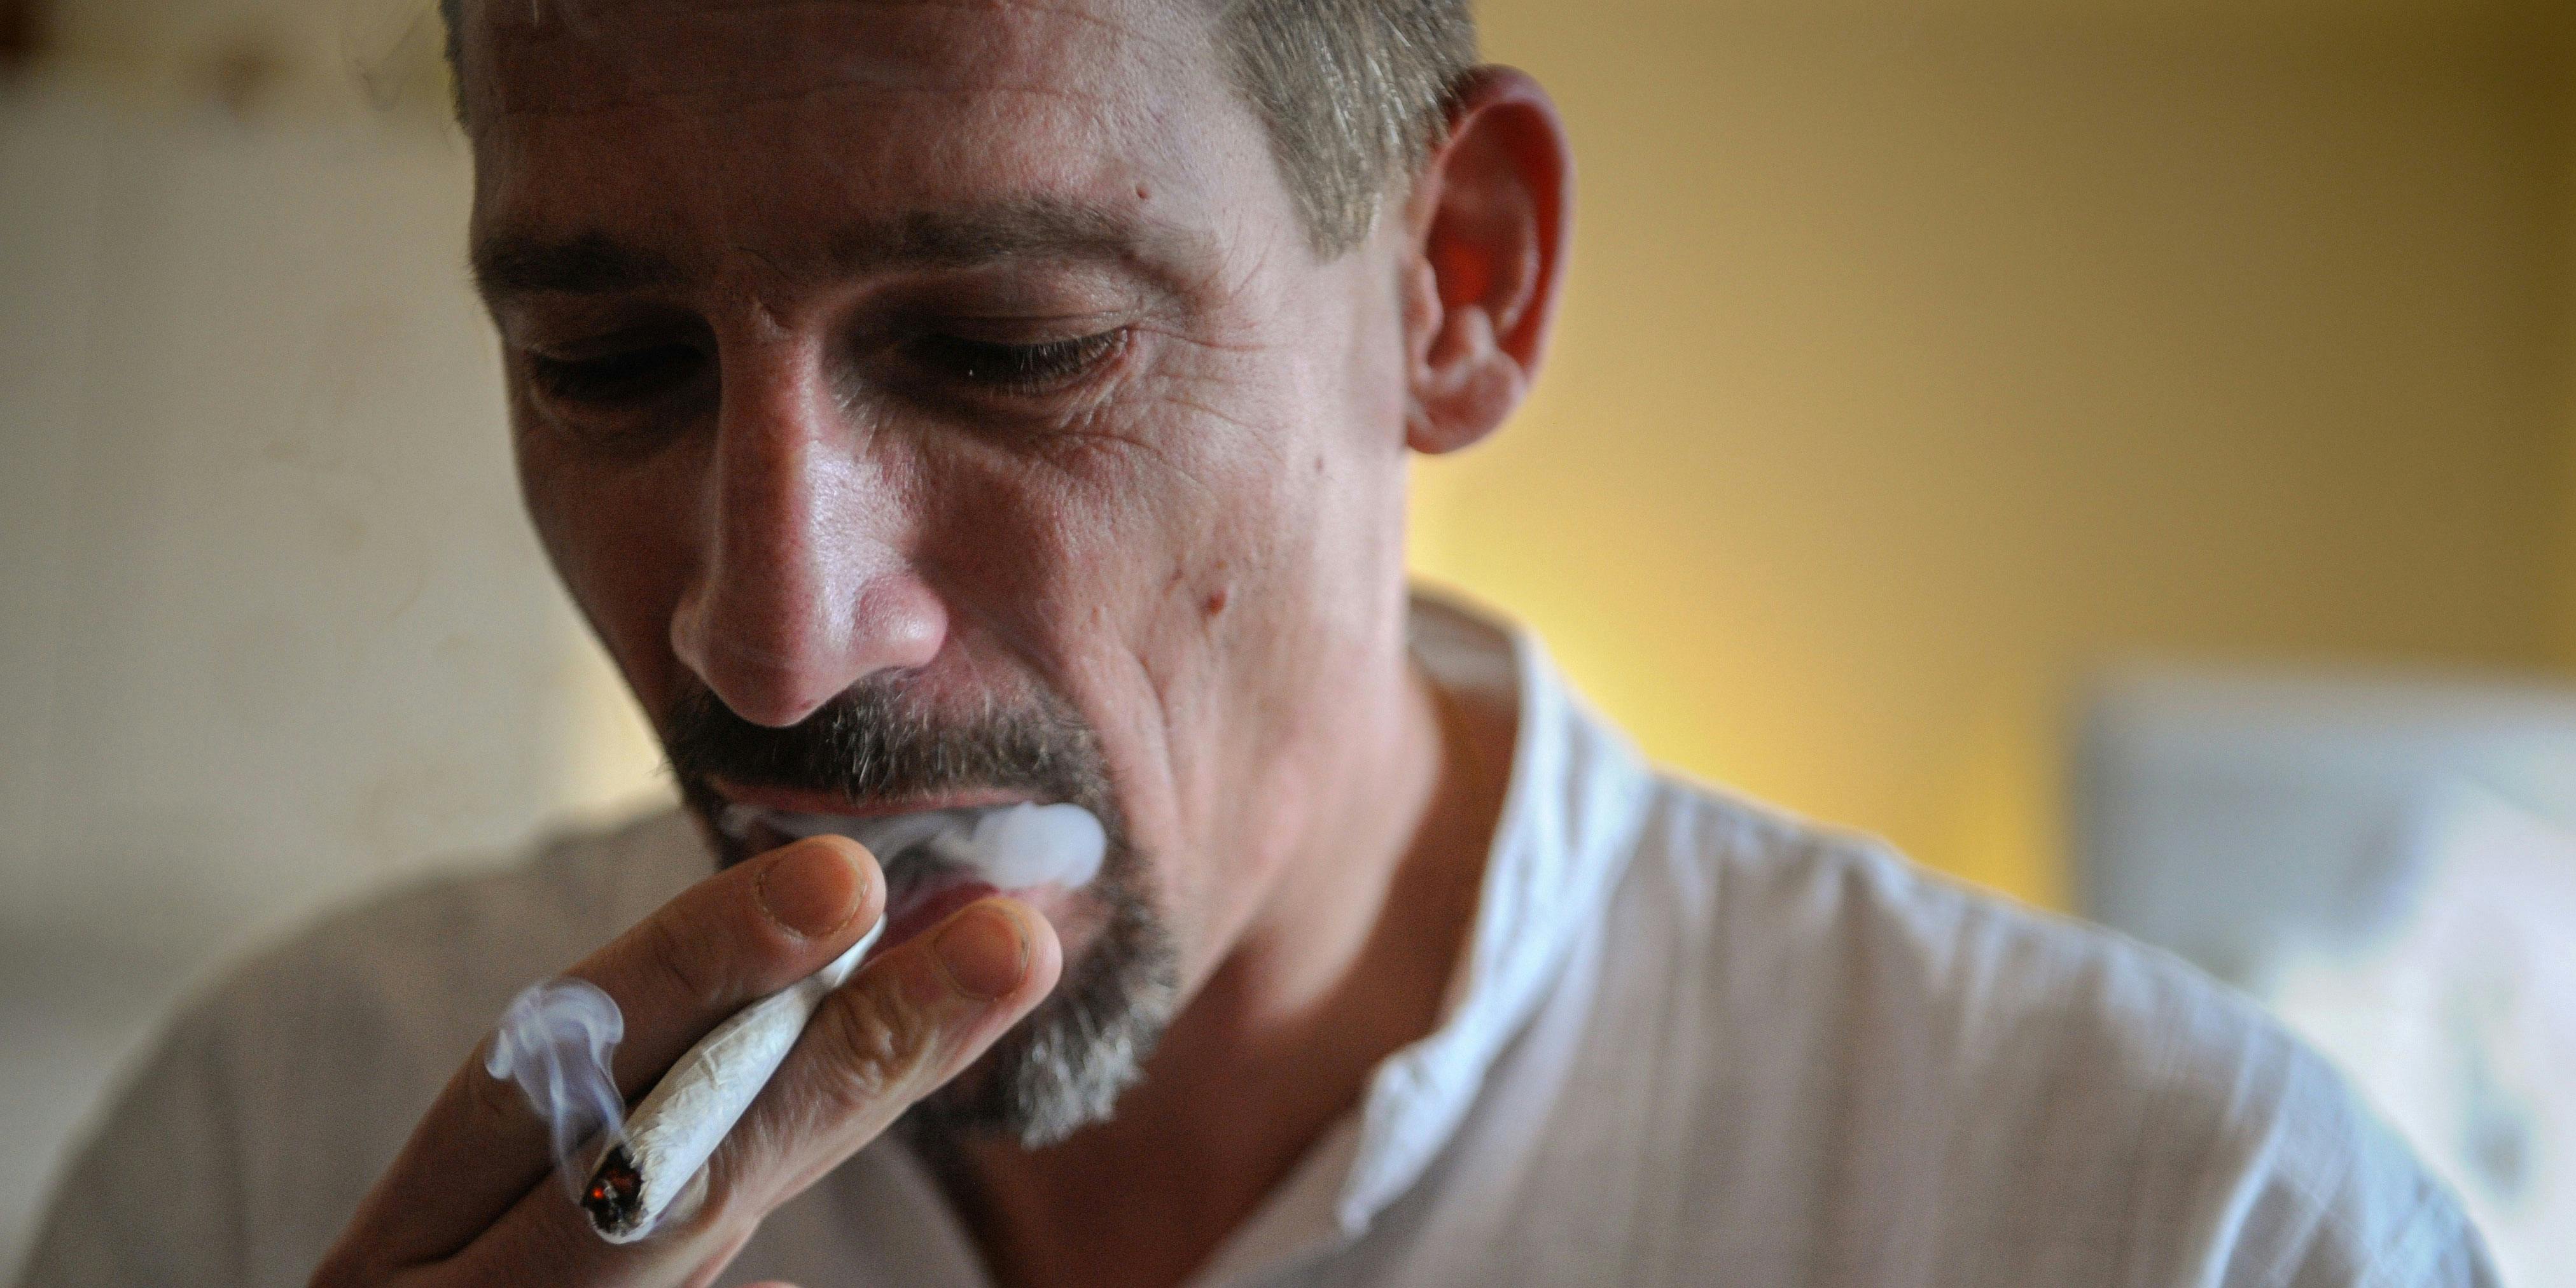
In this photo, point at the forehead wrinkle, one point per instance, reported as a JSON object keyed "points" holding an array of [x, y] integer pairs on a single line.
{"points": [[1037, 227], [832, 49], [1026, 227], [537, 26], [1110, 25], [757, 93]]}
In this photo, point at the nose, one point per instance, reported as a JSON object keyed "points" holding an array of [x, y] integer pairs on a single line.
{"points": [[803, 586]]}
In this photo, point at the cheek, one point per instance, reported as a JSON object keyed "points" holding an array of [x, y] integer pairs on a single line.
{"points": [[616, 535], [1115, 557], [1102, 553], [1229, 543]]}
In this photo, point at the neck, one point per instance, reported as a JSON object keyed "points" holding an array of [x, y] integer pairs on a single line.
{"points": [[1349, 959]]}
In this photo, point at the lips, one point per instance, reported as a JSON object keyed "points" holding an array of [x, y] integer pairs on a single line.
{"points": [[917, 905], [936, 862], [920, 891], [791, 801]]}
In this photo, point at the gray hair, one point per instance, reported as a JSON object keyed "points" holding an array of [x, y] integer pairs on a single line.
{"points": [[1353, 93]]}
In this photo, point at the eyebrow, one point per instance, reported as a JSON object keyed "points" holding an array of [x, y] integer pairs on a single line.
{"points": [[592, 263]]}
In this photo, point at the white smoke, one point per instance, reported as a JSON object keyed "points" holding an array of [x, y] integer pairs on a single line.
{"points": [[554, 1041], [1012, 847]]}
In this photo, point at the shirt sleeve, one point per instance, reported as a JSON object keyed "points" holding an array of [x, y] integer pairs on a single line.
{"points": [[154, 1196], [2437, 1248], [2331, 1197]]}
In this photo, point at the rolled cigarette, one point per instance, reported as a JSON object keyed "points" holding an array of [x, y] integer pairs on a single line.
{"points": [[672, 1134], [677, 1128]]}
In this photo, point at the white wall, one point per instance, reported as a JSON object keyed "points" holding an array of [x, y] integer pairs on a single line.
{"points": [[275, 629]]}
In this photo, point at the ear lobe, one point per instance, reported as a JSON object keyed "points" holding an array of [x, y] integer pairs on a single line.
{"points": [[1490, 219], [1465, 388]]}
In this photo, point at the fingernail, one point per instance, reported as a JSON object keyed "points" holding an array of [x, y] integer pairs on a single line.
{"points": [[811, 888], [984, 951]]}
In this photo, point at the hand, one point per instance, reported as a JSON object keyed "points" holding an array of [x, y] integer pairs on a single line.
{"points": [[472, 1198]]}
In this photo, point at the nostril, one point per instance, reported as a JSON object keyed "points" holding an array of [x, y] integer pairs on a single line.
{"points": [[768, 715], [776, 663], [767, 691], [764, 685], [900, 626]]}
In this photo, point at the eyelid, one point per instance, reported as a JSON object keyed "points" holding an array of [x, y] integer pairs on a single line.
{"points": [[1090, 343], [1026, 328], [628, 375], [613, 343], [1043, 368]]}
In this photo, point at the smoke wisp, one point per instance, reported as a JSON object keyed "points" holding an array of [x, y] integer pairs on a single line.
{"points": [[554, 1041]]}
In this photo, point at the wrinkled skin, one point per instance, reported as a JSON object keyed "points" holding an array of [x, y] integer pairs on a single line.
{"points": [[979, 350], [1198, 542]]}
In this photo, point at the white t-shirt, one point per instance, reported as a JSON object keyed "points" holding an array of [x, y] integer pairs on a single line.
{"points": [[1693, 1041]]}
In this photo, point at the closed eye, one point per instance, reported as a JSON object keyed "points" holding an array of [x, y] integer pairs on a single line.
{"points": [[1031, 369], [622, 377]]}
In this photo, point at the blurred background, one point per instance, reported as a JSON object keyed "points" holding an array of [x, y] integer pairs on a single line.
{"points": [[2122, 451]]}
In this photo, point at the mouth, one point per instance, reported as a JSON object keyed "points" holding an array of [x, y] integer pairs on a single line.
{"points": [[938, 854], [915, 906], [783, 800]]}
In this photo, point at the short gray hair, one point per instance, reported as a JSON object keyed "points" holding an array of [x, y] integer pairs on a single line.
{"points": [[1353, 94]]}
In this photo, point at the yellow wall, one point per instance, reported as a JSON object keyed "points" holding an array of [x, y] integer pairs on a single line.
{"points": [[1923, 355], [1913, 367], [2556, 38]]}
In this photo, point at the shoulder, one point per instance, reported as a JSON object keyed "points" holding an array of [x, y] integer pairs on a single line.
{"points": [[1959, 1044], [452, 938], [422, 969], [1754, 889], [282, 1088], [1859, 932], [390, 994]]}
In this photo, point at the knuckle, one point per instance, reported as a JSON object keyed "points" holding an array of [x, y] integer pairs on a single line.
{"points": [[878, 1044], [488, 1099], [730, 1194]]}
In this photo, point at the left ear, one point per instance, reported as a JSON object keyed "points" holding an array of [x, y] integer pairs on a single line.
{"points": [[1488, 221]]}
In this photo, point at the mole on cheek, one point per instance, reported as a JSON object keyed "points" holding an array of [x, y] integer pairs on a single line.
{"points": [[1215, 602]]}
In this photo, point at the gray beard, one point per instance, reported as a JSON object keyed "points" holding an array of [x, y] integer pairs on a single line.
{"points": [[1065, 1066]]}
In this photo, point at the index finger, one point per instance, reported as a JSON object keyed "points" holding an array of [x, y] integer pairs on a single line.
{"points": [[735, 937]]}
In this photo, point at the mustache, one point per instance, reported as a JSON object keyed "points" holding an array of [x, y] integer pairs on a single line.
{"points": [[872, 742], [1067, 1063]]}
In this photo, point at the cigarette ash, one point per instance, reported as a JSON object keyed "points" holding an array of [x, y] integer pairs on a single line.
{"points": [[615, 1193]]}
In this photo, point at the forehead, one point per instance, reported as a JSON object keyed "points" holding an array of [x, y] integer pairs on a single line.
{"points": [[700, 118]]}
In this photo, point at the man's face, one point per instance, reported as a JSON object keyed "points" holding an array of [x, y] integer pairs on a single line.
{"points": [[960, 370]]}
